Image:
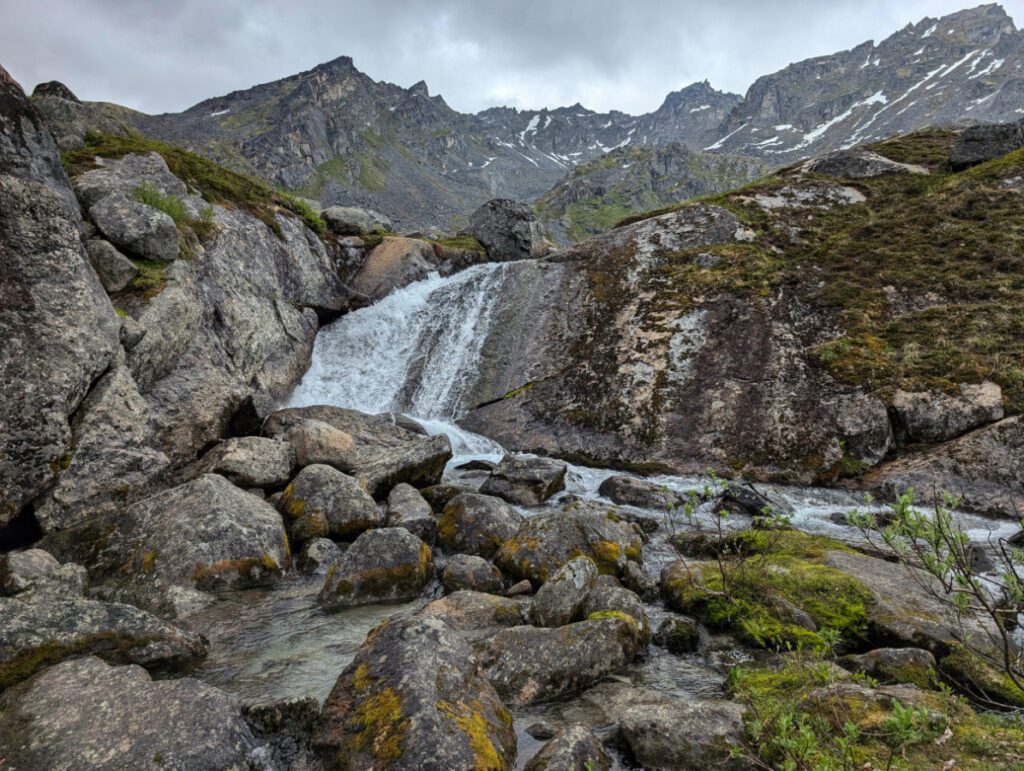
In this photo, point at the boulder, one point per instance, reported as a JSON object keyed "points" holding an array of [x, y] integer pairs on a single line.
{"points": [[978, 144], [54, 88], [350, 221], [913, 666], [412, 698], [630, 491], [573, 747], [476, 524], [40, 632], [206, 534], [617, 599], [285, 730], [858, 163], [124, 175], [58, 328], [527, 664], [318, 555], [564, 594], [114, 269], [419, 463], [745, 501], [36, 573], [546, 542], [386, 565], [393, 264], [636, 579], [526, 481], [341, 499], [136, 228], [678, 634], [933, 417], [86, 714], [509, 230], [316, 442], [439, 495], [465, 571], [250, 461], [477, 616], [408, 509]]}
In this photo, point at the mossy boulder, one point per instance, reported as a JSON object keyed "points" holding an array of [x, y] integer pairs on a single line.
{"points": [[564, 594], [573, 747], [341, 499], [603, 599], [412, 698], [476, 615], [472, 523], [385, 565], [678, 634], [408, 509], [465, 571], [913, 666]]}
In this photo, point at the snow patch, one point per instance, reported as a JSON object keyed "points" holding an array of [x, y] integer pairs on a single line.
{"points": [[717, 145], [702, 107], [219, 112], [930, 30]]}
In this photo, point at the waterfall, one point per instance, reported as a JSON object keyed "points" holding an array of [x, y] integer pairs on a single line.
{"points": [[416, 351]]}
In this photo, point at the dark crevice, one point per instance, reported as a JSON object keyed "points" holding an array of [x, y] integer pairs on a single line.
{"points": [[22, 531]]}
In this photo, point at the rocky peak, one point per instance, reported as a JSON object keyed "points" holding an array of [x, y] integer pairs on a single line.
{"points": [[983, 25], [56, 89], [419, 89]]}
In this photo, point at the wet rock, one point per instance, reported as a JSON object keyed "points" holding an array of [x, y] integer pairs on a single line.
{"points": [[978, 144], [318, 555], [509, 230], [477, 464], [541, 730], [574, 747], [678, 635], [744, 500], [285, 730], [465, 571], [250, 461], [630, 491], [114, 269], [476, 615], [528, 664], [525, 481], [136, 228], [476, 524], [412, 698], [564, 594], [439, 495], [546, 542], [40, 632], [395, 263], [408, 509], [341, 499], [36, 573], [913, 666], [419, 463], [605, 599], [58, 328], [86, 714], [385, 565], [636, 579], [206, 534], [350, 221], [858, 163], [934, 417]]}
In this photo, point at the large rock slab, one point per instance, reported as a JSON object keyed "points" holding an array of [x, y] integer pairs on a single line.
{"points": [[859, 163], [350, 221], [526, 481], [477, 524], [84, 714], [509, 230], [250, 461], [419, 463], [340, 499], [385, 565], [938, 417], [58, 328], [124, 175], [412, 698]]}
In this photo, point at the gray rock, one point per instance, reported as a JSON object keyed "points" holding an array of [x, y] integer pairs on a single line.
{"points": [[412, 698], [439, 495], [58, 328], [978, 144], [136, 228], [408, 509], [477, 524], [526, 481], [419, 463], [521, 587], [132, 332], [84, 714], [40, 632], [124, 175], [465, 571], [574, 747], [528, 664], [393, 264], [318, 555], [350, 221], [636, 579], [318, 442], [914, 666], [564, 595], [35, 573], [385, 565], [616, 599], [858, 163], [250, 461], [285, 729], [114, 269], [678, 634], [934, 417], [476, 616], [309, 527], [630, 491], [509, 230], [341, 499], [56, 89]]}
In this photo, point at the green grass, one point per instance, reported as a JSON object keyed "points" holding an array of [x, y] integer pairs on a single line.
{"points": [[465, 242], [203, 225]]}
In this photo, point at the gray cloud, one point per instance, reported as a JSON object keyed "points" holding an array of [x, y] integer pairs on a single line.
{"points": [[165, 56]]}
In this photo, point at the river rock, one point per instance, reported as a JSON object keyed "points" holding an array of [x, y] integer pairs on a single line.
{"points": [[136, 228], [564, 594], [528, 664], [615, 599], [476, 615], [408, 509], [316, 442], [412, 698], [58, 328], [86, 714], [419, 463], [466, 571], [350, 221], [630, 491], [546, 542], [476, 524], [915, 666], [393, 264], [439, 495], [573, 747], [509, 230], [636, 579], [341, 499], [745, 501], [41, 632], [934, 417], [385, 565], [678, 634], [114, 269], [318, 555], [526, 481], [250, 461]]}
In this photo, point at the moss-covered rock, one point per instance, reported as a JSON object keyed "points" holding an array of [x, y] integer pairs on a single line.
{"points": [[385, 565], [472, 523]]}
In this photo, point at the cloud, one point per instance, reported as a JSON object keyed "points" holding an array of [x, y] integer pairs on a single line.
{"points": [[605, 54]]}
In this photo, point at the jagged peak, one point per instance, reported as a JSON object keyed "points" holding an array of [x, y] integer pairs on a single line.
{"points": [[419, 89]]}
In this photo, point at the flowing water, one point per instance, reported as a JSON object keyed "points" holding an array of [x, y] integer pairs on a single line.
{"points": [[416, 352]]}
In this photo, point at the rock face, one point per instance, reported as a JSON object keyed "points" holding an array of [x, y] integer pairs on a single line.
{"points": [[385, 565], [59, 330], [412, 698], [472, 523], [937, 417], [525, 481], [350, 221], [86, 714], [509, 230], [984, 143]]}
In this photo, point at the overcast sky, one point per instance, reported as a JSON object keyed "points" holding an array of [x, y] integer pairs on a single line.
{"points": [[165, 55]]}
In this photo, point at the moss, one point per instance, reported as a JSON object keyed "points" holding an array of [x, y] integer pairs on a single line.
{"points": [[519, 391], [372, 171], [463, 242], [361, 679], [378, 726], [270, 563], [473, 724], [107, 645], [63, 463], [978, 678], [149, 561], [608, 555], [151, 278]]}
